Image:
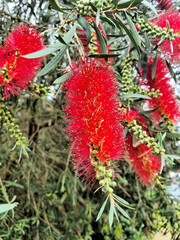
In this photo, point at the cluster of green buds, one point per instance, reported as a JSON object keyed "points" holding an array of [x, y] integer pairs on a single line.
{"points": [[142, 135], [93, 49], [169, 123], [150, 93], [127, 80], [104, 173], [40, 89], [84, 7], [10, 125], [156, 32]]}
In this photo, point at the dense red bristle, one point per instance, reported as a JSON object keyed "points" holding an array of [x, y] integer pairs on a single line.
{"points": [[167, 103], [92, 115], [164, 4], [173, 17], [144, 163], [20, 71]]}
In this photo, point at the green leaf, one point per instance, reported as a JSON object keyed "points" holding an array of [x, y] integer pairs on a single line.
{"points": [[120, 24], [69, 35], [171, 70], [162, 163], [15, 184], [101, 210], [98, 17], [40, 53], [100, 38], [61, 79], [173, 156], [55, 5], [128, 3], [105, 18], [122, 211], [85, 25], [149, 5], [149, 111], [173, 135], [167, 24], [133, 29], [54, 61], [111, 215], [154, 67], [122, 201], [61, 39], [7, 207], [169, 161], [52, 48], [135, 95], [115, 2]]}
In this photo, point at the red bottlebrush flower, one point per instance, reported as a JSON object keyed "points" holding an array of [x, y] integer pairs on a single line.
{"points": [[164, 4], [17, 71], [144, 163], [167, 102], [173, 17], [92, 116]]}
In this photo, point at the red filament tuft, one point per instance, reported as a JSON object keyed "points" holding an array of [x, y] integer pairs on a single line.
{"points": [[166, 102], [16, 71], [144, 163], [92, 116]]}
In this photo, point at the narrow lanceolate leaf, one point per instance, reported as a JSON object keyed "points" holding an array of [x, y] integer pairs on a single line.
{"points": [[52, 48], [100, 38], [41, 53], [7, 207], [171, 70], [133, 29], [61, 79], [122, 211], [162, 163], [85, 25], [169, 161], [55, 5], [111, 215], [69, 35], [167, 24], [120, 25], [101, 210], [154, 67], [54, 61], [173, 156], [149, 5], [135, 95], [122, 201]]}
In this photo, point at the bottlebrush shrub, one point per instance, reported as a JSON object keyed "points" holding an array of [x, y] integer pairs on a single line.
{"points": [[173, 17], [144, 163], [16, 71], [92, 117], [166, 102]]}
